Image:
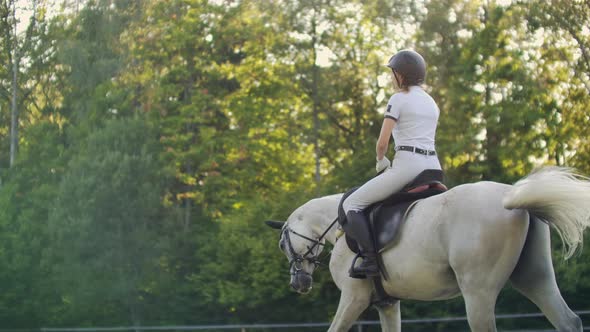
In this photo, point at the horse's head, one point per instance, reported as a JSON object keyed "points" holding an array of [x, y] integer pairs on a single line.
{"points": [[302, 247]]}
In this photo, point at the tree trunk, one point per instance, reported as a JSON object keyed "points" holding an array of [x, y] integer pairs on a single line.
{"points": [[190, 128], [14, 111], [316, 100]]}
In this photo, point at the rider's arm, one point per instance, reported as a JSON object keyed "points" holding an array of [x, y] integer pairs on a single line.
{"points": [[384, 136]]}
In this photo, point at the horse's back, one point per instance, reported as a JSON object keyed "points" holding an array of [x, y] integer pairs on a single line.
{"points": [[463, 216], [476, 209]]}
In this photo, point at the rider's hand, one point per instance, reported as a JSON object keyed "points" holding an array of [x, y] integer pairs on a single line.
{"points": [[382, 164]]}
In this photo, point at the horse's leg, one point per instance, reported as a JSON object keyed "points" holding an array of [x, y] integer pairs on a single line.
{"points": [[484, 261], [534, 278], [355, 294], [353, 301], [480, 305], [390, 317]]}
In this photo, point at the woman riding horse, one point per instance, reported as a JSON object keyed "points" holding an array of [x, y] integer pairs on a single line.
{"points": [[411, 118]]}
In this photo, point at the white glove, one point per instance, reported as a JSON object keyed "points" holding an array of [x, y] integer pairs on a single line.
{"points": [[382, 164]]}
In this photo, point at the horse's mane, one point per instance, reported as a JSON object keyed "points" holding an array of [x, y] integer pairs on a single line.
{"points": [[316, 206]]}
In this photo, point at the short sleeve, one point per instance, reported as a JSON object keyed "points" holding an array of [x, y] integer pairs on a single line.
{"points": [[393, 110]]}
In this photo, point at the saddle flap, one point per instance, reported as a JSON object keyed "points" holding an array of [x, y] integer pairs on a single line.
{"points": [[386, 222]]}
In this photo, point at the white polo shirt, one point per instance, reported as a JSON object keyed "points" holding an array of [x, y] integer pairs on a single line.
{"points": [[416, 114]]}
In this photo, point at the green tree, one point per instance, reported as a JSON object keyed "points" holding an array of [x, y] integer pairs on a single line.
{"points": [[340, 51], [566, 64], [105, 226], [26, 199], [90, 56], [484, 74]]}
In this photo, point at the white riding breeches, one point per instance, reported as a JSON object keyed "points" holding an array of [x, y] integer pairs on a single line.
{"points": [[404, 168]]}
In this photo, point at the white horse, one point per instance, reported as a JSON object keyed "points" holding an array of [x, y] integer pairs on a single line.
{"points": [[467, 241]]}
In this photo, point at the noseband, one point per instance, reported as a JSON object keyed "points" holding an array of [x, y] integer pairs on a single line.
{"points": [[295, 259]]}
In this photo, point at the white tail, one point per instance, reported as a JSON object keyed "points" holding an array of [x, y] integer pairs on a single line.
{"points": [[559, 196]]}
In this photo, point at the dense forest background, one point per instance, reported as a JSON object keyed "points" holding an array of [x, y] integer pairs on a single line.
{"points": [[143, 143]]}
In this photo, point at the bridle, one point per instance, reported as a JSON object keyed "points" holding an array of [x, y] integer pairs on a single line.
{"points": [[295, 259]]}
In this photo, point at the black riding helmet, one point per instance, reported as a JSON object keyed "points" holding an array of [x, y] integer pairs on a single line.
{"points": [[410, 65]]}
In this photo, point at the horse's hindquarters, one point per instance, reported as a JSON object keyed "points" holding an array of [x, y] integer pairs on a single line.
{"points": [[488, 239]]}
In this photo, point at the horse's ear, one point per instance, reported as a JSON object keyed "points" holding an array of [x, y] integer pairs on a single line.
{"points": [[275, 224]]}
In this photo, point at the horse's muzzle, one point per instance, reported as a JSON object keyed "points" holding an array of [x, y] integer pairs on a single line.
{"points": [[301, 282]]}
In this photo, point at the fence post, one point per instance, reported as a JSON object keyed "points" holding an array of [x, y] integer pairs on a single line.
{"points": [[359, 327]]}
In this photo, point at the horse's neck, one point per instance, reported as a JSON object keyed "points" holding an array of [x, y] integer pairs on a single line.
{"points": [[324, 211]]}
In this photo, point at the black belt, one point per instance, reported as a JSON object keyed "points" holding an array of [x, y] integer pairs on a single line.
{"points": [[415, 150]]}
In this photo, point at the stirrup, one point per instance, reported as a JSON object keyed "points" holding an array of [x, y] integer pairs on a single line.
{"points": [[352, 272], [355, 273]]}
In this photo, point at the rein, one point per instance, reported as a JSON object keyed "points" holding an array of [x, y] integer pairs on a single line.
{"points": [[297, 259]]}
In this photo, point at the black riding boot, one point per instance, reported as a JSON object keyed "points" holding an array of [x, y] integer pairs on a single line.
{"points": [[359, 229]]}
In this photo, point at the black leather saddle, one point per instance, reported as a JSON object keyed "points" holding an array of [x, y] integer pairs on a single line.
{"points": [[386, 216]]}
